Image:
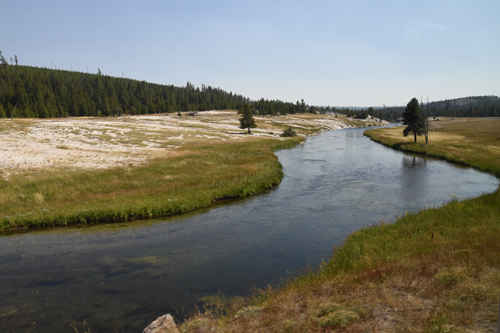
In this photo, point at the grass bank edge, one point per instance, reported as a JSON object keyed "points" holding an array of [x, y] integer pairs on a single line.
{"points": [[247, 178]]}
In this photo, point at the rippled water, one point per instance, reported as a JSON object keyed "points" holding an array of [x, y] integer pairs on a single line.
{"points": [[122, 276]]}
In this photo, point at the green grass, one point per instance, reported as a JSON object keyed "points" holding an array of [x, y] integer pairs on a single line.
{"points": [[201, 175], [436, 270]]}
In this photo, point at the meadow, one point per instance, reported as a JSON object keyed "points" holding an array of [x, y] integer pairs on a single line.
{"points": [[93, 170], [435, 270]]}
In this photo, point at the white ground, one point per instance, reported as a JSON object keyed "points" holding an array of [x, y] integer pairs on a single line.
{"points": [[96, 143]]}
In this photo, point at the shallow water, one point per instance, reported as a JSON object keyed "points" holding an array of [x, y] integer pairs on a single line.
{"points": [[120, 277]]}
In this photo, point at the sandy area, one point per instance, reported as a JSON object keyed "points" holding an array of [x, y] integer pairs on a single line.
{"points": [[96, 143]]}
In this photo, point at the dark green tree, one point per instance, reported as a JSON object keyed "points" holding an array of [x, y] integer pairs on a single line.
{"points": [[289, 132], [2, 59], [247, 120], [413, 120], [303, 107]]}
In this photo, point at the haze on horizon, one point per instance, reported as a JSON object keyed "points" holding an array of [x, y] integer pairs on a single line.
{"points": [[357, 53]]}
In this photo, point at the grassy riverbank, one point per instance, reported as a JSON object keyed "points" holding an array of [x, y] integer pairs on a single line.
{"points": [[436, 270], [198, 176], [93, 170], [468, 141]]}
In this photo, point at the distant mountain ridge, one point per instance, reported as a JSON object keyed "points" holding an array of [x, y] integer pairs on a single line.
{"points": [[460, 102], [473, 106], [465, 101]]}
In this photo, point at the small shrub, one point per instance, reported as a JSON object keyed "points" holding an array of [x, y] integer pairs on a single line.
{"points": [[249, 312], [481, 293], [338, 319], [288, 326], [473, 291], [449, 278], [196, 324], [441, 324], [335, 316], [289, 132]]}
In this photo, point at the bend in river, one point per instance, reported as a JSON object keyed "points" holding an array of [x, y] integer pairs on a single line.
{"points": [[122, 276]]}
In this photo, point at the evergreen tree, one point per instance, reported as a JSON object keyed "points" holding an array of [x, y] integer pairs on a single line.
{"points": [[413, 120], [247, 120], [303, 108], [2, 59]]}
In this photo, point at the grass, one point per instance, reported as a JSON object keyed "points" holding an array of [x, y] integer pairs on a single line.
{"points": [[468, 141], [198, 176], [436, 270], [175, 166]]}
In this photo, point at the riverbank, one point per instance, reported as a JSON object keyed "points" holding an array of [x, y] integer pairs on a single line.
{"points": [[472, 142], [436, 270], [94, 170]]}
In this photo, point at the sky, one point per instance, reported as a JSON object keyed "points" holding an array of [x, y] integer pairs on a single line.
{"points": [[338, 53]]}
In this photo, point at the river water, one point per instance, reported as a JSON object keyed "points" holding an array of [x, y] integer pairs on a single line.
{"points": [[120, 277]]}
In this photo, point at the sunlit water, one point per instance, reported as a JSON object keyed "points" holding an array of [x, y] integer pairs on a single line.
{"points": [[121, 277]]}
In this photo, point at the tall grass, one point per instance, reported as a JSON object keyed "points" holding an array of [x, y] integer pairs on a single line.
{"points": [[201, 175]]}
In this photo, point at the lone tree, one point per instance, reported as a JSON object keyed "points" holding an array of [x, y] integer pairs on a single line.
{"points": [[413, 120], [247, 120]]}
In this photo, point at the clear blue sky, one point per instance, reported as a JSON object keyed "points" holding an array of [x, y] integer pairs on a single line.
{"points": [[345, 53]]}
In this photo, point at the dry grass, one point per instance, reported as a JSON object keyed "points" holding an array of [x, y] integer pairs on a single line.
{"points": [[468, 141]]}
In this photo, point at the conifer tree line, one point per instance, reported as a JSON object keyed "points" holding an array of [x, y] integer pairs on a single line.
{"points": [[388, 114], [32, 92], [473, 106]]}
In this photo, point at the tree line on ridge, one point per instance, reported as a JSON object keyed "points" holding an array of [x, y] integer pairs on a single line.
{"points": [[31, 92]]}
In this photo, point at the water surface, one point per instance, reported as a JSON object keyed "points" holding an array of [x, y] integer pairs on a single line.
{"points": [[120, 277]]}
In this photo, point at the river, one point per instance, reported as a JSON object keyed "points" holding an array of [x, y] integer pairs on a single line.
{"points": [[120, 277]]}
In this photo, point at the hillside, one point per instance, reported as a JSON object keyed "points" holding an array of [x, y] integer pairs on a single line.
{"points": [[31, 92]]}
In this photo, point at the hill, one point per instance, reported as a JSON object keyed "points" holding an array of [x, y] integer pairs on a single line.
{"points": [[32, 92]]}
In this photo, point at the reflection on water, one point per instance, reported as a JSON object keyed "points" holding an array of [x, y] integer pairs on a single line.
{"points": [[123, 276]]}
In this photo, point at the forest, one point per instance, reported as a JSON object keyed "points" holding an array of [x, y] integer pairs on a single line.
{"points": [[32, 92], [473, 106]]}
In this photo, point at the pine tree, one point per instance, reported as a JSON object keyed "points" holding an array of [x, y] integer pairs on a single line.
{"points": [[247, 120], [413, 120], [2, 59]]}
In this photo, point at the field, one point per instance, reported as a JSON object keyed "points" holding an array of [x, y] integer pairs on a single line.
{"points": [[92, 170], [436, 270], [468, 141]]}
